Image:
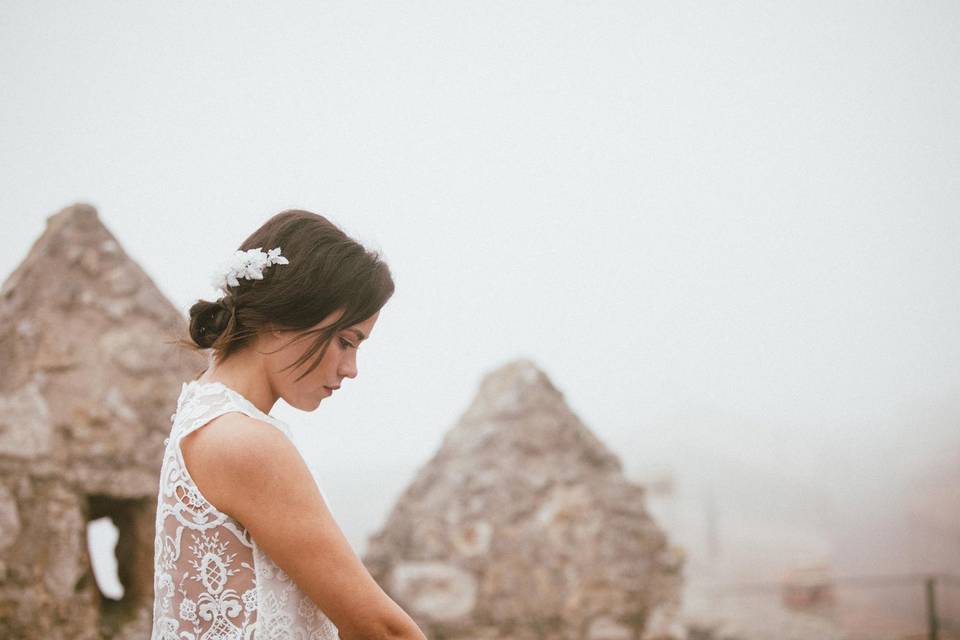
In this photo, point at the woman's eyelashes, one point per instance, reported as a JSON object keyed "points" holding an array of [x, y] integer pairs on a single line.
{"points": [[346, 344]]}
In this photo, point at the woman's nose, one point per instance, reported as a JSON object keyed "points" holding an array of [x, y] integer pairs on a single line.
{"points": [[348, 369]]}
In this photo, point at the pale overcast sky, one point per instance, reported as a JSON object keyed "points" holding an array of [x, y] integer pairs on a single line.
{"points": [[716, 226]]}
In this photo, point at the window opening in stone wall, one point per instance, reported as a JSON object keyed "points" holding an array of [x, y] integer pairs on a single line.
{"points": [[120, 533], [102, 536]]}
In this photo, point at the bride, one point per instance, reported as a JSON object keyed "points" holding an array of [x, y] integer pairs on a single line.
{"points": [[245, 545]]}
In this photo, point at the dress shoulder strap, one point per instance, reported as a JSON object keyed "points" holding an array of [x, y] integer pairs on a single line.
{"points": [[201, 402]]}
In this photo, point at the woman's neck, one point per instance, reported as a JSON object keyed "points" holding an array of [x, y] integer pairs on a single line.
{"points": [[245, 376]]}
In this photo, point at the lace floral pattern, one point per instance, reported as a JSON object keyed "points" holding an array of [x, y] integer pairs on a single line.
{"points": [[211, 580]]}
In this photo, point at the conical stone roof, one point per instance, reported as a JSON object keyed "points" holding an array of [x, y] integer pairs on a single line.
{"points": [[89, 381], [523, 525]]}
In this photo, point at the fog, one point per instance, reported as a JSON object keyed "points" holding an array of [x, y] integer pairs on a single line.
{"points": [[727, 232]]}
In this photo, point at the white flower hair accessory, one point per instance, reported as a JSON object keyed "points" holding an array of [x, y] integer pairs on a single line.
{"points": [[247, 264]]}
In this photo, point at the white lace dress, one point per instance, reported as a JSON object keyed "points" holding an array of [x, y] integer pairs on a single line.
{"points": [[211, 580]]}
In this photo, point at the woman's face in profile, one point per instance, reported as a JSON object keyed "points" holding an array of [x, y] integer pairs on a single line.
{"points": [[339, 362]]}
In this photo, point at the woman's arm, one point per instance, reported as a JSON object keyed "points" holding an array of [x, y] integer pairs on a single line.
{"points": [[251, 471]]}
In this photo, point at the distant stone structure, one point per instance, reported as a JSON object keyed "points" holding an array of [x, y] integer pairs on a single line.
{"points": [[522, 525], [87, 388]]}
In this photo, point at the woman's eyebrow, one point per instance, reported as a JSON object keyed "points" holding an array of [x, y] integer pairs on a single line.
{"points": [[358, 333]]}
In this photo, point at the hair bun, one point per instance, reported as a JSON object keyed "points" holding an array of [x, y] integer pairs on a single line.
{"points": [[209, 319]]}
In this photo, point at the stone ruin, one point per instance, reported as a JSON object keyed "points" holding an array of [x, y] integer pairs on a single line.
{"points": [[522, 526], [87, 388]]}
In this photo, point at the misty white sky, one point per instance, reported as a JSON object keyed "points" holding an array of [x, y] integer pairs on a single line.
{"points": [[718, 227]]}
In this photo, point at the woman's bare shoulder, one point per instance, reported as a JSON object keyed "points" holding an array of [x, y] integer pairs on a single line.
{"points": [[232, 450]]}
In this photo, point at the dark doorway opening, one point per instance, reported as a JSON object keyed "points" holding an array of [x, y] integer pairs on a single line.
{"points": [[124, 582]]}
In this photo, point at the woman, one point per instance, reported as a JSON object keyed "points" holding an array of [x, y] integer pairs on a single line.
{"points": [[245, 545]]}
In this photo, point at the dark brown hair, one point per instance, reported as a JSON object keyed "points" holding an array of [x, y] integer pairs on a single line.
{"points": [[327, 271]]}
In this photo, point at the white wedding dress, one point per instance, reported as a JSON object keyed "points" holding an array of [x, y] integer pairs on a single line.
{"points": [[211, 580]]}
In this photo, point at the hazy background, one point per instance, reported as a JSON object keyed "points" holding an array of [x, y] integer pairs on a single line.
{"points": [[728, 232]]}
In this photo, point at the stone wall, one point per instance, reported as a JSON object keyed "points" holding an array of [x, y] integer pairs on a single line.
{"points": [[88, 381], [522, 525]]}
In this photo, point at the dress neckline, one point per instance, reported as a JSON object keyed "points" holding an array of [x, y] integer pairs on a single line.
{"points": [[236, 394]]}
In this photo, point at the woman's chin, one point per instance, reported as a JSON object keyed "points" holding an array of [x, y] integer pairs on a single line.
{"points": [[308, 405]]}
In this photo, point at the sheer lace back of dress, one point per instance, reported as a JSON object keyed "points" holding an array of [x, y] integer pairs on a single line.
{"points": [[211, 580]]}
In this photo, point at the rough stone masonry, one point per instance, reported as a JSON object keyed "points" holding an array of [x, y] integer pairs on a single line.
{"points": [[522, 525]]}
